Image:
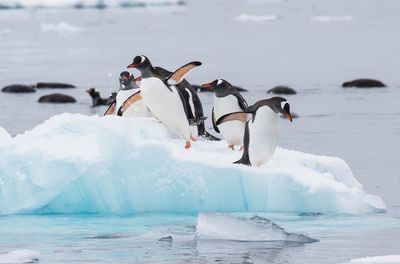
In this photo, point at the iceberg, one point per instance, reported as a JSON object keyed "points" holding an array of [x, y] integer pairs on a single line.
{"points": [[20, 256], [227, 227], [74, 163]]}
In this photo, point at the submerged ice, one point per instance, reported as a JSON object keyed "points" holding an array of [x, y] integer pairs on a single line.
{"points": [[227, 227], [74, 163]]}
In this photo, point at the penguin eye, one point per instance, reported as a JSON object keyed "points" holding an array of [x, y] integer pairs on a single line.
{"points": [[219, 81], [142, 58], [284, 104]]}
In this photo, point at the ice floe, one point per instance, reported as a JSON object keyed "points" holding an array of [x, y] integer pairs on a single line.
{"points": [[19, 256], [255, 18], [59, 27], [388, 259], [10, 4], [227, 227], [332, 18], [74, 163]]}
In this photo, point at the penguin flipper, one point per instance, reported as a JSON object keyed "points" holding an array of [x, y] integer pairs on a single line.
{"points": [[241, 101], [180, 73], [110, 110], [239, 116], [214, 123], [128, 102]]}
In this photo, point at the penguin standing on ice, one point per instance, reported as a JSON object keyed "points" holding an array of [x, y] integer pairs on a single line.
{"points": [[262, 129], [193, 106], [163, 98], [128, 101], [227, 99]]}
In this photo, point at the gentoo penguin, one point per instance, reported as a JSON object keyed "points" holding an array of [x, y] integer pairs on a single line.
{"points": [[98, 100], [227, 100], [128, 101], [262, 128], [163, 98], [193, 105]]}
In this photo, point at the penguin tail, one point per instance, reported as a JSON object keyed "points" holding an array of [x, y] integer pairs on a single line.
{"points": [[243, 160], [210, 137], [196, 121]]}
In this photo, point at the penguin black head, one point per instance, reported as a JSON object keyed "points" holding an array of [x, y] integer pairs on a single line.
{"points": [[221, 87], [280, 105], [93, 93], [140, 62], [124, 75]]}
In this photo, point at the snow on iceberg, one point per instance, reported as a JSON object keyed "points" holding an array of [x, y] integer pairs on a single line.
{"points": [[20, 256], [227, 227], [74, 163], [389, 259]]}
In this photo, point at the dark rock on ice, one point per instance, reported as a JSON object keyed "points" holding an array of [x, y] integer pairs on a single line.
{"points": [[57, 99], [282, 90], [18, 88], [364, 83]]}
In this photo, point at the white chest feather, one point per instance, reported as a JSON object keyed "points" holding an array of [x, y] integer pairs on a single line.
{"points": [[263, 134], [165, 105], [122, 95], [232, 131]]}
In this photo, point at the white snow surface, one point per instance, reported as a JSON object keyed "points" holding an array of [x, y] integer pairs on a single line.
{"points": [[226, 227], [388, 259], [20, 256], [74, 163]]}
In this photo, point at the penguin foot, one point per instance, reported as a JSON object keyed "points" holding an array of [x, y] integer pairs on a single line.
{"points": [[187, 145], [193, 138], [232, 147]]}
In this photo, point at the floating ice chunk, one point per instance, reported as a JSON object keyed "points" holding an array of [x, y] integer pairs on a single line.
{"points": [[227, 227], [246, 17], [20, 256], [60, 27], [74, 163], [331, 18], [389, 259]]}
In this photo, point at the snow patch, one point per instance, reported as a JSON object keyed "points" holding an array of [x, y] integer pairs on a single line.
{"points": [[332, 18], [74, 163], [254, 18], [378, 260], [20, 256], [4, 136], [59, 27], [227, 227]]}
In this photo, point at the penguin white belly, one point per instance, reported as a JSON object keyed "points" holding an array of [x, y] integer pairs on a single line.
{"points": [[122, 95], [263, 136], [165, 105], [232, 131]]}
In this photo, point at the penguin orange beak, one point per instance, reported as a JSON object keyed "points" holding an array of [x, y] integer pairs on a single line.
{"points": [[132, 65], [207, 85], [138, 79], [288, 116]]}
